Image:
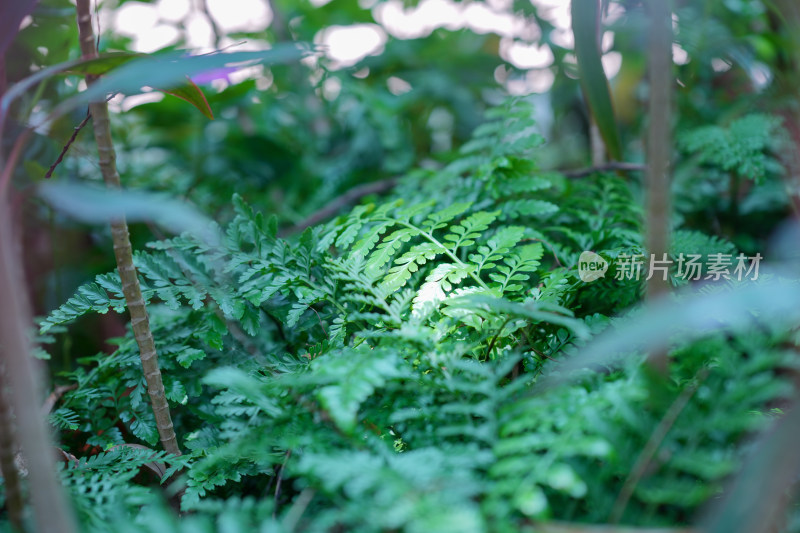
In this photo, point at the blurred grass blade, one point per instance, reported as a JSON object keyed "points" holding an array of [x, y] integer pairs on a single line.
{"points": [[586, 28], [688, 316], [95, 66], [534, 311], [94, 206], [102, 64], [128, 75], [170, 70]]}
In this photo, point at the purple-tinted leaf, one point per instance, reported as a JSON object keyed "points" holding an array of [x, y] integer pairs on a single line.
{"points": [[215, 74]]}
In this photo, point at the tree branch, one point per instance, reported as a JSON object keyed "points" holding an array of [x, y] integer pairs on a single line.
{"points": [[333, 207], [71, 140], [381, 186], [212, 22]]}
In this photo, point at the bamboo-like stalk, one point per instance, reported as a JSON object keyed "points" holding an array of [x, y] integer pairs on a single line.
{"points": [[659, 148], [122, 248], [50, 509], [659, 140], [658, 137]]}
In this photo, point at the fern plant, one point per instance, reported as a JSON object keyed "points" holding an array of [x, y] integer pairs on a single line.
{"points": [[391, 369]]}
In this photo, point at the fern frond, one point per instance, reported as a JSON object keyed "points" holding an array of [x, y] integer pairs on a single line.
{"points": [[472, 227]]}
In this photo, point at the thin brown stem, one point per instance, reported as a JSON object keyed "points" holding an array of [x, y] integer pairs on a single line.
{"points": [[123, 253], [279, 481], [335, 205], [494, 339], [653, 443], [65, 148]]}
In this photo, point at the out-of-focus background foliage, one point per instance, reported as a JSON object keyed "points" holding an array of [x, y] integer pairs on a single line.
{"points": [[400, 85]]}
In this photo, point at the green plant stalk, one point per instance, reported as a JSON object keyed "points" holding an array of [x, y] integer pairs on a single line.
{"points": [[735, 188], [122, 248]]}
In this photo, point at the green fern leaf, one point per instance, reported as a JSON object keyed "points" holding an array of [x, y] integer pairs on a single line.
{"points": [[408, 263], [438, 283], [497, 247], [440, 219], [353, 377], [471, 228], [388, 247], [526, 208]]}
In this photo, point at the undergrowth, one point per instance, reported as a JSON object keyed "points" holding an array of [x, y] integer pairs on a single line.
{"points": [[392, 370]]}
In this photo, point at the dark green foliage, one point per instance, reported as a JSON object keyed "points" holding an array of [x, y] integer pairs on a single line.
{"points": [[389, 370], [742, 148]]}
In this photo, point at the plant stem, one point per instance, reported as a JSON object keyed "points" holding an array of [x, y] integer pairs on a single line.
{"points": [[653, 443], [658, 149], [22, 384], [11, 478], [122, 248]]}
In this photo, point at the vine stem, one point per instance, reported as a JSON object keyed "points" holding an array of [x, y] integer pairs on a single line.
{"points": [[123, 253]]}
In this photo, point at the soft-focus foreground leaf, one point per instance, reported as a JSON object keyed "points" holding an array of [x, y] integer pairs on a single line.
{"points": [[758, 499], [106, 63], [94, 205], [171, 69], [772, 298], [128, 75]]}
